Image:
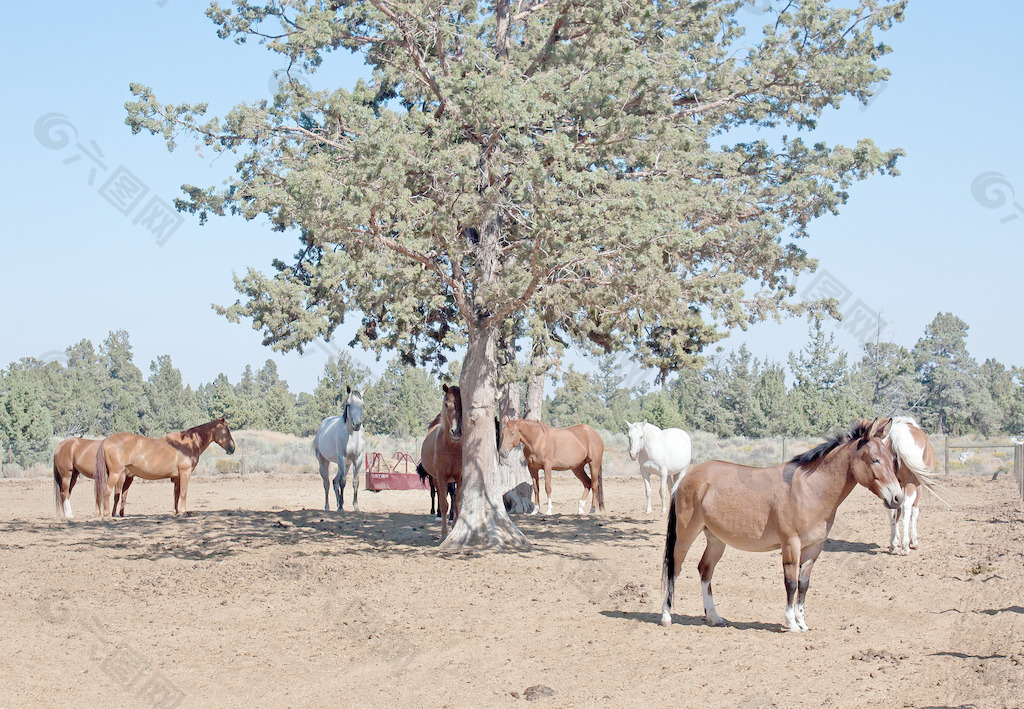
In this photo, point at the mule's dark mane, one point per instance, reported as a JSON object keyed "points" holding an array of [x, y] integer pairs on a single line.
{"points": [[831, 443]]}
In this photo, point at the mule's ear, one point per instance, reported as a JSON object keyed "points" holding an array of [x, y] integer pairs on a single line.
{"points": [[869, 432], [445, 388], [348, 389]]}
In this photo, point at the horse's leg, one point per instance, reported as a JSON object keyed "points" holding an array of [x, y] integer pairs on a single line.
{"points": [[894, 517], [807, 558], [647, 489], [595, 481], [547, 484], [456, 507], [325, 474], [124, 491], [914, 510], [706, 569], [177, 492], [442, 504], [581, 473], [664, 492], [355, 482], [339, 483], [907, 510], [184, 476], [790, 575], [433, 498], [535, 474], [67, 484], [685, 523]]}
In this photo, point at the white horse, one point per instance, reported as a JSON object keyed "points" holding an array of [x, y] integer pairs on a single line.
{"points": [[662, 452], [340, 440]]}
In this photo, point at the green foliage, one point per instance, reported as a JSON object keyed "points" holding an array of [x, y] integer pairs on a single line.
{"points": [[124, 405], [402, 402], [25, 421]]}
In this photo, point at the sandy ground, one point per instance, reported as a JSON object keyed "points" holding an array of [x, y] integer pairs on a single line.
{"points": [[261, 598]]}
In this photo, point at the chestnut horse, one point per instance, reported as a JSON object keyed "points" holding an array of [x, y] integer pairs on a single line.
{"points": [[916, 459], [441, 453], [71, 458], [549, 448], [790, 506], [174, 456]]}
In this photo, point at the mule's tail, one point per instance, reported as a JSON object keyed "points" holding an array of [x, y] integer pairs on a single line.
{"points": [[57, 502], [668, 577], [100, 479]]}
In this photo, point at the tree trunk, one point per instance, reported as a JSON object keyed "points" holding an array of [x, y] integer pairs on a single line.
{"points": [[482, 522], [535, 386]]}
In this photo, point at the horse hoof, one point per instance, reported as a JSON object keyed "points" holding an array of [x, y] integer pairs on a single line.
{"points": [[716, 621], [666, 620]]}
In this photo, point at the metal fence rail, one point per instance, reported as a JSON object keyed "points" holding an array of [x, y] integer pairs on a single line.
{"points": [[1018, 467]]}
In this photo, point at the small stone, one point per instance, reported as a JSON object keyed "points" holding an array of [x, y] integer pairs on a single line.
{"points": [[538, 691]]}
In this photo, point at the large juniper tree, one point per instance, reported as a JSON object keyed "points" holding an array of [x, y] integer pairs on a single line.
{"points": [[567, 162]]}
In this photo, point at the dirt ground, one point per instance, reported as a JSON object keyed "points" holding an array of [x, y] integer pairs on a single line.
{"points": [[261, 598]]}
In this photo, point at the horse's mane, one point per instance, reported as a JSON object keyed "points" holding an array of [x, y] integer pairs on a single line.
{"points": [[435, 422], [202, 426], [832, 442]]}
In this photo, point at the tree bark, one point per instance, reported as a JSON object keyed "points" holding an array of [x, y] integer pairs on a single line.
{"points": [[482, 522], [535, 385]]}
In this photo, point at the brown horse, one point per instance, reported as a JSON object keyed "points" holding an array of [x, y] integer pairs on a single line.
{"points": [[549, 448], [790, 506], [441, 453], [916, 463], [71, 458], [174, 456]]}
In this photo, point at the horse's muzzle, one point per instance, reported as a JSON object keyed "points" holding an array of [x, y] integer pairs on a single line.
{"points": [[892, 498], [231, 449], [632, 455]]}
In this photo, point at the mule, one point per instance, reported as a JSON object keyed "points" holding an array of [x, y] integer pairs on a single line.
{"points": [[790, 506], [71, 458], [441, 453], [340, 440], [665, 453], [174, 456], [549, 448], [916, 463]]}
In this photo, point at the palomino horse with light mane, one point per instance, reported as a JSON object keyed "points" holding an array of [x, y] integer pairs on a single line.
{"points": [[916, 462], [666, 453], [549, 448], [441, 453], [340, 440], [71, 458], [790, 506], [174, 456]]}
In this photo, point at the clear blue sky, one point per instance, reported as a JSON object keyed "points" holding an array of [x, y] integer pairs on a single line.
{"points": [[79, 259]]}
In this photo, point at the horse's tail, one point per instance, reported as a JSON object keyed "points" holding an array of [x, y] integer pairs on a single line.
{"points": [[422, 472], [911, 455], [100, 479], [57, 502], [668, 577], [600, 487]]}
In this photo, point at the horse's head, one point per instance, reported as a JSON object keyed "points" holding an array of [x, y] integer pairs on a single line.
{"points": [[451, 412], [352, 415], [511, 436], [874, 465], [636, 438], [222, 435]]}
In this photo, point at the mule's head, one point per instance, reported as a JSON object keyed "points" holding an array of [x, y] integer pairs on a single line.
{"points": [[636, 438], [874, 465], [451, 412], [511, 436], [222, 436], [352, 415]]}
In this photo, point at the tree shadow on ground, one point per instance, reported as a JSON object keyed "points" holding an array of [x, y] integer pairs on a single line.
{"points": [[869, 548], [215, 534], [655, 619]]}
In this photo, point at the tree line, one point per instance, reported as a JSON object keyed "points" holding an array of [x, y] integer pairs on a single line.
{"points": [[101, 391]]}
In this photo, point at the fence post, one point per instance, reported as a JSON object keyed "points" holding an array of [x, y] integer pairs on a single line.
{"points": [[241, 444], [784, 456], [946, 456], [1018, 467]]}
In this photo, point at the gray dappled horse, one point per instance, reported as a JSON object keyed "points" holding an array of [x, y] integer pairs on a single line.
{"points": [[340, 440]]}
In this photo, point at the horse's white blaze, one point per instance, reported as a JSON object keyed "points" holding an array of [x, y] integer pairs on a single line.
{"points": [[660, 452]]}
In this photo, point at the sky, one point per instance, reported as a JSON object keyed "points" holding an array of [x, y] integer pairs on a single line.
{"points": [[89, 245]]}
